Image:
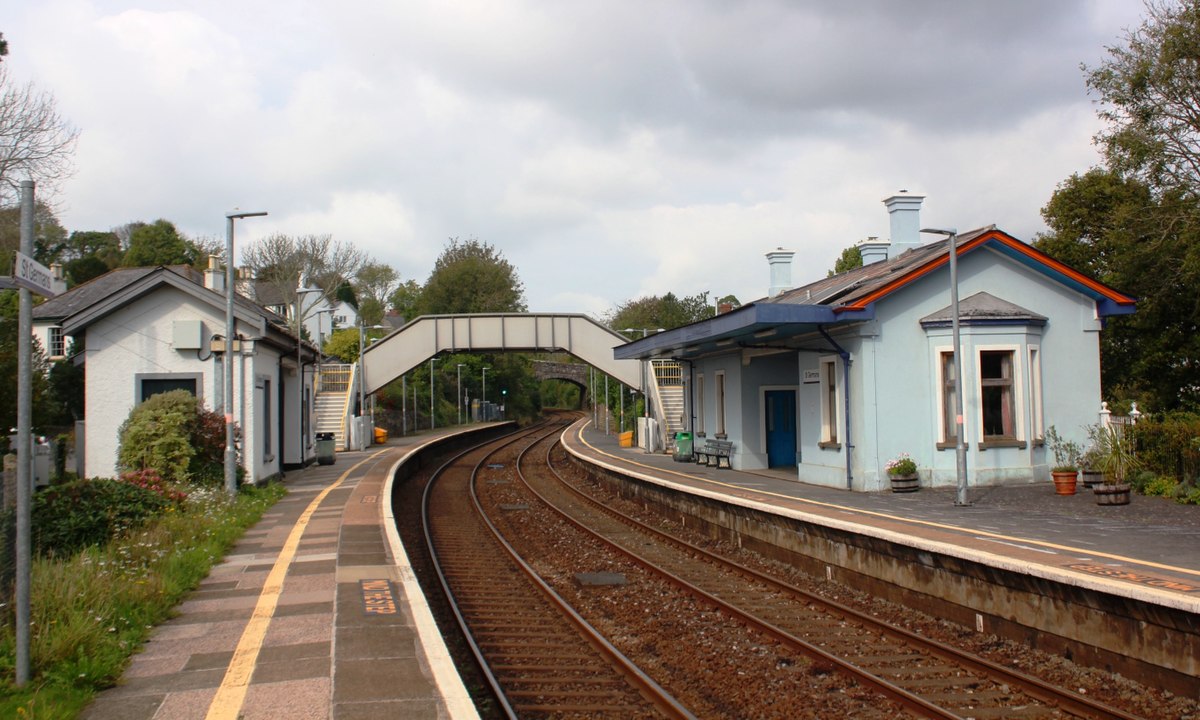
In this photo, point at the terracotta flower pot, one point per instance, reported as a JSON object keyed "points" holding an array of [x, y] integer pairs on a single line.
{"points": [[905, 483], [1064, 482]]}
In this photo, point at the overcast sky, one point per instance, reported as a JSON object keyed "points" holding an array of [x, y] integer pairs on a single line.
{"points": [[609, 149]]}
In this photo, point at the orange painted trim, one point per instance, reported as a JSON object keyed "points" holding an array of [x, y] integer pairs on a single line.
{"points": [[1004, 239]]}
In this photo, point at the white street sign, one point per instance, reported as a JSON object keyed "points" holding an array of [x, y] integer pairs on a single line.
{"points": [[32, 275]]}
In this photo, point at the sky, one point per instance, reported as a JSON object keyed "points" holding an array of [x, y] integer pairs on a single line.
{"points": [[610, 150]]}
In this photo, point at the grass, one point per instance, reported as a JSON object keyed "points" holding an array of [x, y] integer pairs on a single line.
{"points": [[90, 612]]}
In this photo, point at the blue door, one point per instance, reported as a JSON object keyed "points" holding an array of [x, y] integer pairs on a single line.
{"points": [[781, 428]]}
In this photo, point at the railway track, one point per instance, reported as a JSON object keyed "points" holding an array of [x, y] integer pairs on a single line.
{"points": [[539, 656], [758, 646]]}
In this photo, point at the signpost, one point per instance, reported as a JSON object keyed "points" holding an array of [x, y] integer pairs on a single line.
{"points": [[32, 275]]}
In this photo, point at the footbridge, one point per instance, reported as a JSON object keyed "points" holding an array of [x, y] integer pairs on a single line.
{"points": [[429, 335]]}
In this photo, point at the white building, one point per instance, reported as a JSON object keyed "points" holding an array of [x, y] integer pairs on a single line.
{"points": [[147, 330]]}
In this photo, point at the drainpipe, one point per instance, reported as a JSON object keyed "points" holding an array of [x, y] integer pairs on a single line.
{"points": [[845, 396]]}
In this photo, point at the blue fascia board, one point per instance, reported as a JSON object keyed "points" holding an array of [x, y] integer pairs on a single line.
{"points": [[735, 325]]}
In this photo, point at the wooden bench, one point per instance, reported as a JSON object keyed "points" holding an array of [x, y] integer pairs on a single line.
{"points": [[713, 451]]}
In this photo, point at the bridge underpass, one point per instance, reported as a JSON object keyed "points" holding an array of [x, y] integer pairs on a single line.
{"points": [[430, 335]]}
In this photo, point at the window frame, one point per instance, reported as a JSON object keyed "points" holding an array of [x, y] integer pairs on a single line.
{"points": [[831, 398], [139, 380], [1037, 411], [719, 399], [1016, 396], [55, 337]]}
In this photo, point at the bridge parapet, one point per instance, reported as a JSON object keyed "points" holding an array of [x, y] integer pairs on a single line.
{"points": [[430, 335]]}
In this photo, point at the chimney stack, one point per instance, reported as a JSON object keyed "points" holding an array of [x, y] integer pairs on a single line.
{"points": [[905, 215], [214, 274], [873, 250], [780, 261]]}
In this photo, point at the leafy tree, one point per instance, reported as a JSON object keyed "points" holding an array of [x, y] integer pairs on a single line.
{"points": [[1149, 89], [35, 141], [406, 300], [66, 389], [83, 269], [8, 368], [472, 277], [344, 343], [374, 283], [851, 258], [48, 234], [654, 312], [1117, 230], [158, 243], [3, 46]]}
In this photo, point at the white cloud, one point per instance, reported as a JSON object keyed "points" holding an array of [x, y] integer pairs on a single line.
{"points": [[609, 149]]}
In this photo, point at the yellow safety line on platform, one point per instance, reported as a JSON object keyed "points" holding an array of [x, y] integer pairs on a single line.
{"points": [[927, 523], [227, 703]]}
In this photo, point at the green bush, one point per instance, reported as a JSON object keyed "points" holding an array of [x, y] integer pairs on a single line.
{"points": [[1162, 486], [1168, 445], [157, 434], [176, 435], [72, 516]]}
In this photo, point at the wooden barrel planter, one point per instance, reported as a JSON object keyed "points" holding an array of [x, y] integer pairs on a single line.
{"points": [[905, 483], [1114, 494], [1092, 478], [1064, 482]]}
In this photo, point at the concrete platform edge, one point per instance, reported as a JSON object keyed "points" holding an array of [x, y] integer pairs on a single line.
{"points": [[1120, 589], [454, 694]]}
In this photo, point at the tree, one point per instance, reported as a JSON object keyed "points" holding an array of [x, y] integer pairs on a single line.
{"points": [[406, 300], [851, 258], [158, 243], [472, 277], [666, 312], [35, 141], [1149, 89], [49, 234], [284, 262], [1117, 230]]}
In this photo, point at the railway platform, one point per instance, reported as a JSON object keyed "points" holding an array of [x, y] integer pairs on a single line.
{"points": [[1147, 551], [315, 613]]}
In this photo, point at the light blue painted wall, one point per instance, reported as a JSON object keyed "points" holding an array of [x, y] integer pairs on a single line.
{"points": [[894, 376]]}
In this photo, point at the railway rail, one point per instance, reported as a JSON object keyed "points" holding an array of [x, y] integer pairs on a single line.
{"points": [[514, 566]]}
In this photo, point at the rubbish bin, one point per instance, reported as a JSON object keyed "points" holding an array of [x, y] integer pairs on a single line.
{"points": [[683, 447], [325, 455]]}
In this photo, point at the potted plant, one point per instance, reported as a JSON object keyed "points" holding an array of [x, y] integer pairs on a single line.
{"points": [[1114, 455], [1065, 470], [902, 470], [1089, 465]]}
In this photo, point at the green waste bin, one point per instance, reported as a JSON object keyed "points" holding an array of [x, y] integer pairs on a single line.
{"points": [[683, 447], [325, 455]]}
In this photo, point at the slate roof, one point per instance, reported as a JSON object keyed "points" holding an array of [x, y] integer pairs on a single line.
{"points": [[983, 307], [86, 294], [851, 296], [81, 298]]}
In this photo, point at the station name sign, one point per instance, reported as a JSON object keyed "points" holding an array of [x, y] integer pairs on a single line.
{"points": [[32, 275]]}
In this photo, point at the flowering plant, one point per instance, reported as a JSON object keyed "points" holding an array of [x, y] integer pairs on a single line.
{"points": [[902, 464]]}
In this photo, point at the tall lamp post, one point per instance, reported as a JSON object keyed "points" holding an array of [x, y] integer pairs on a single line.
{"points": [[301, 291], [230, 450], [362, 401], [960, 449], [432, 410], [645, 383], [483, 401], [458, 393]]}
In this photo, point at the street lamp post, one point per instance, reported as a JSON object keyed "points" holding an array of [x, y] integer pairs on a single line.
{"points": [[301, 291], [960, 449], [362, 401], [483, 401], [458, 393], [230, 449], [432, 410], [645, 386]]}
